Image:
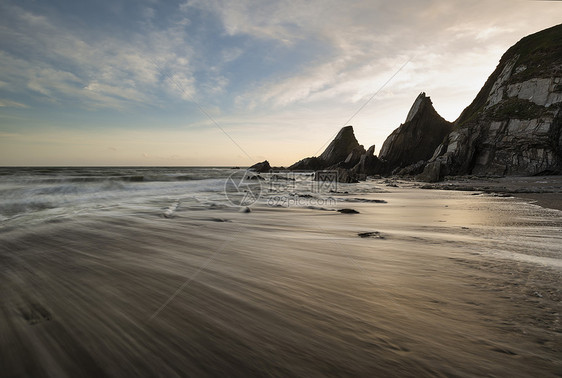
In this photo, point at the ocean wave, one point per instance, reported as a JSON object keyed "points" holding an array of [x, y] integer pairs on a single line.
{"points": [[75, 195], [10, 208]]}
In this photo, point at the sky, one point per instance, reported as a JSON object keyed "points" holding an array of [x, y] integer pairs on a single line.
{"points": [[234, 82]]}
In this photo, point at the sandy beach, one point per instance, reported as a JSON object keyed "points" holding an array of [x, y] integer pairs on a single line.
{"points": [[544, 191], [443, 283]]}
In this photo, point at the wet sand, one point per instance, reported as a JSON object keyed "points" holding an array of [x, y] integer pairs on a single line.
{"points": [[545, 191], [548, 200], [449, 284]]}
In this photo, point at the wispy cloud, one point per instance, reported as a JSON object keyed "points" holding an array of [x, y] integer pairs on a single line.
{"points": [[59, 63], [11, 104], [367, 40]]}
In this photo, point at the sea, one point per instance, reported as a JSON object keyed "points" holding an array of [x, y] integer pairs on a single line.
{"points": [[43, 193], [30, 195]]}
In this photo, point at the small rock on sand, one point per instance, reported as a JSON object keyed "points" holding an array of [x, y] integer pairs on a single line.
{"points": [[348, 211], [371, 234]]}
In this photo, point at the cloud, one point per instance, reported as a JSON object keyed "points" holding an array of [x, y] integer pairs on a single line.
{"points": [[231, 54], [11, 104], [102, 71], [367, 41], [359, 43]]}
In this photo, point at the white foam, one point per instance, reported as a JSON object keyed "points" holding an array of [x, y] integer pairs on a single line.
{"points": [[539, 260]]}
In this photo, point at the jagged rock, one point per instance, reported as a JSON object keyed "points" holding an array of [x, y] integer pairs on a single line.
{"points": [[417, 138], [543, 92], [346, 175], [368, 165], [343, 152], [308, 164], [354, 156], [261, 167], [412, 169], [514, 125], [431, 172], [343, 144]]}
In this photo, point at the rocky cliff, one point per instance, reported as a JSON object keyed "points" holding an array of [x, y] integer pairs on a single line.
{"points": [[343, 147], [417, 138], [344, 151], [346, 156], [513, 126], [261, 167]]}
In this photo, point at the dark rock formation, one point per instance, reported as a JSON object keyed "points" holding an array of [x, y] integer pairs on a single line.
{"points": [[261, 167], [431, 172], [348, 211], [342, 153], [416, 139], [368, 165], [308, 164], [345, 156], [371, 234], [412, 169], [343, 145], [514, 125], [354, 156], [346, 175]]}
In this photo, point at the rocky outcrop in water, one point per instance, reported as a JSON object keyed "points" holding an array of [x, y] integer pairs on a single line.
{"points": [[416, 139], [261, 167], [514, 125]]}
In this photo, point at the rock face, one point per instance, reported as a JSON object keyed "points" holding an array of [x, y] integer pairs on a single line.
{"points": [[417, 138], [308, 164], [514, 125], [261, 167], [346, 156], [368, 164], [344, 147], [343, 152]]}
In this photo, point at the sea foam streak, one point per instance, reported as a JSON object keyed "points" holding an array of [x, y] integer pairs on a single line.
{"points": [[44, 192]]}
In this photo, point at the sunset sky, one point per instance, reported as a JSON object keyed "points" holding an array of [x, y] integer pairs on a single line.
{"points": [[213, 82]]}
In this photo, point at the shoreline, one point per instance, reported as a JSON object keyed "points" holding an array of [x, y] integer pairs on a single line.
{"points": [[544, 191], [551, 201]]}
